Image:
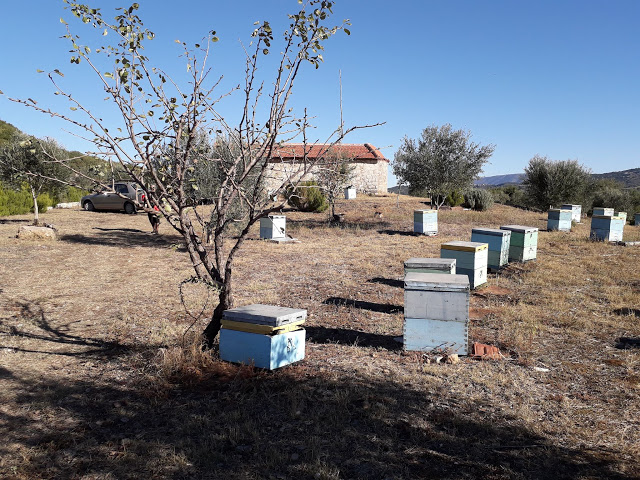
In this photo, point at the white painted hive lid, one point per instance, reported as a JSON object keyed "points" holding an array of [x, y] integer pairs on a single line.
{"points": [[436, 281], [418, 262], [519, 228], [265, 314]]}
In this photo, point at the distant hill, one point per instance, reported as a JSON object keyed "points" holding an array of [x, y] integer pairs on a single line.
{"points": [[7, 131], [499, 180], [627, 178]]}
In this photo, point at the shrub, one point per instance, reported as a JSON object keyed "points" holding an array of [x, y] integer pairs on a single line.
{"points": [[478, 199], [307, 197], [44, 201], [14, 202], [454, 199], [71, 194]]}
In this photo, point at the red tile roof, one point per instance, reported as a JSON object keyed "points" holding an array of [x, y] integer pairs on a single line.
{"points": [[354, 151]]}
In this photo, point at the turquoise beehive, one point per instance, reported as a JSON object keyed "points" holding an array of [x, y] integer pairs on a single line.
{"points": [[471, 259], [498, 241], [606, 228], [637, 219], [425, 221], [576, 211], [559, 219], [524, 242], [430, 265]]}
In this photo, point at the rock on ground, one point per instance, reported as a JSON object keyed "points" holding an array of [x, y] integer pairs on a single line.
{"points": [[30, 232]]}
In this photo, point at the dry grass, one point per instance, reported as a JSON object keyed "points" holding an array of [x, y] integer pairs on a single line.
{"points": [[99, 381]]}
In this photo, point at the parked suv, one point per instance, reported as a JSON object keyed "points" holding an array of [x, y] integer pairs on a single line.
{"points": [[110, 200]]}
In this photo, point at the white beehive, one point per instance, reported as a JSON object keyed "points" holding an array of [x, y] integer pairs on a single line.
{"points": [[622, 215], [273, 227], [607, 228], [471, 259], [425, 221], [559, 219], [436, 312], [349, 193], [576, 211], [430, 265], [603, 211], [499, 242]]}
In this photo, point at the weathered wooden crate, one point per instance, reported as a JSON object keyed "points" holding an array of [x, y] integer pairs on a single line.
{"points": [[471, 259], [273, 227], [524, 242], [425, 221], [576, 211], [436, 312], [636, 219], [263, 351], [603, 211], [498, 241], [349, 193], [607, 228], [260, 314], [430, 265], [559, 219]]}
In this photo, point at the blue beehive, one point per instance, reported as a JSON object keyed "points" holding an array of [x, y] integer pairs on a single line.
{"points": [[603, 211], [576, 211], [471, 259], [524, 242], [607, 228], [436, 312], [265, 336], [430, 265], [559, 219], [498, 241], [425, 221], [637, 219], [622, 215]]}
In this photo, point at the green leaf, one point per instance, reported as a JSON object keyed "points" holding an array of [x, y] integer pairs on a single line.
{"points": [[74, 108], [265, 51], [59, 72], [39, 71], [347, 31], [62, 21], [214, 39], [108, 75]]}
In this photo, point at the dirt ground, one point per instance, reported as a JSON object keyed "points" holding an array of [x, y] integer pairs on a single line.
{"points": [[101, 376]]}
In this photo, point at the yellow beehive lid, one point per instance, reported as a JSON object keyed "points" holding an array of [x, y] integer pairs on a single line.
{"points": [[465, 246], [258, 328]]}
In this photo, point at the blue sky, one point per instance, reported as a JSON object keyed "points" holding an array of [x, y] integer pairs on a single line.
{"points": [[555, 78]]}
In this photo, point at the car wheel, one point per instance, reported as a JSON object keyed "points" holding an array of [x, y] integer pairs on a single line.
{"points": [[129, 208], [88, 206]]}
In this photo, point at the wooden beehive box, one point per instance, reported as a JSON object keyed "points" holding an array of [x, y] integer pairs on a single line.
{"points": [[265, 336], [430, 265], [349, 193], [273, 227], [607, 228], [524, 243], [559, 219], [436, 312], [603, 211], [498, 241], [425, 221], [576, 211], [471, 259]]}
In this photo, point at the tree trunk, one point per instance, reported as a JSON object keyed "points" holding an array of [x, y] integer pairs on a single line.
{"points": [[36, 218], [225, 303]]}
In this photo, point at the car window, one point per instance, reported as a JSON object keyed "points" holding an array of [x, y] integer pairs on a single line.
{"points": [[121, 188]]}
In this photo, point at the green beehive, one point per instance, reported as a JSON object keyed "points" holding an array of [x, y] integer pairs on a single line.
{"points": [[498, 241], [524, 242], [471, 259]]}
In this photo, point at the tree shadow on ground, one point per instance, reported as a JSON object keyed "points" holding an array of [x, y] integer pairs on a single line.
{"points": [[13, 220], [345, 336], [391, 282], [292, 423], [627, 343], [33, 315], [404, 233], [626, 311], [364, 305], [125, 237], [345, 224]]}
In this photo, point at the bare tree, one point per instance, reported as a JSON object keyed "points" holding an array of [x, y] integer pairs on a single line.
{"points": [[333, 173], [157, 143]]}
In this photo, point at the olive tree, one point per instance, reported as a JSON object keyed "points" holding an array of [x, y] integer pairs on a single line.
{"points": [[157, 142], [440, 161], [549, 183]]}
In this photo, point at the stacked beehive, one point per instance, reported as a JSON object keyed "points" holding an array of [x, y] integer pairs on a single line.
{"points": [[265, 336], [430, 265], [607, 227], [471, 259], [273, 227], [524, 242], [425, 221], [559, 219], [436, 312], [603, 211], [576, 211], [498, 241]]}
